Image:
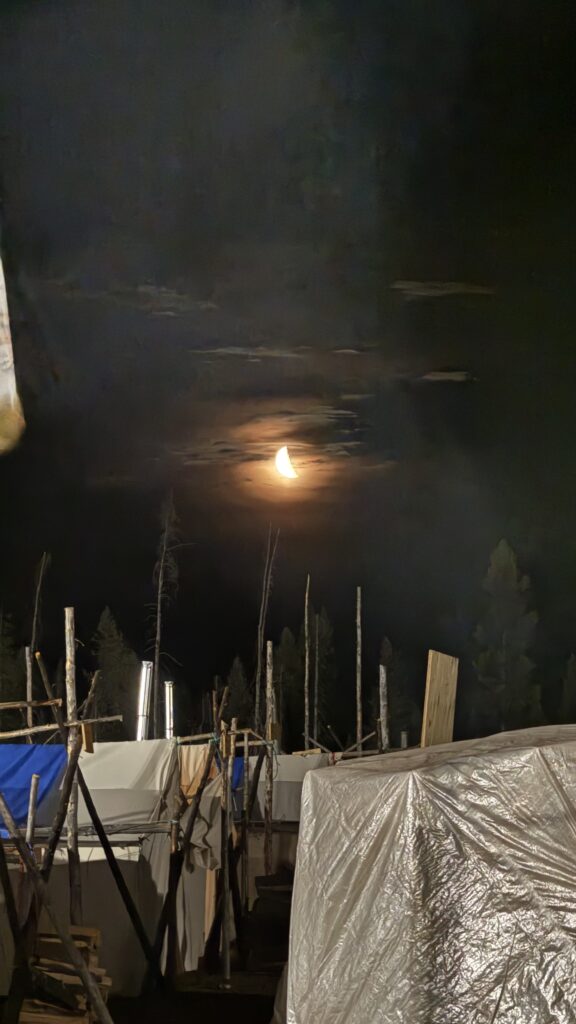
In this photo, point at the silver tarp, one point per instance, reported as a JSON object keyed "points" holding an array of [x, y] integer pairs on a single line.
{"points": [[439, 886]]}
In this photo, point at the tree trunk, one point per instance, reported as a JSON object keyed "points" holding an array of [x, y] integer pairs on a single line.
{"points": [[72, 817]]}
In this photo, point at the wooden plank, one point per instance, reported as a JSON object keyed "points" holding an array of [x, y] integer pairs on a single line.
{"points": [[87, 738], [440, 699]]}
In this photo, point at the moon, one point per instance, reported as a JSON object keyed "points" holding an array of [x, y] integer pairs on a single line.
{"points": [[284, 465]]}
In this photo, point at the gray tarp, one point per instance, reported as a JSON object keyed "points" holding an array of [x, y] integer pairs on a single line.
{"points": [[439, 886]]}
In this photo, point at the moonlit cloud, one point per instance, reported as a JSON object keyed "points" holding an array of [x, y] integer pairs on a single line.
{"points": [[439, 289]]}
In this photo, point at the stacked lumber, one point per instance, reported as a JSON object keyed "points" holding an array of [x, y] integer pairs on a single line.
{"points": [[55, 974]]}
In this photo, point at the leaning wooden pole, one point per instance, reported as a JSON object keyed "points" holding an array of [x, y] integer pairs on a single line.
{"points": [[359, 669], [74, 957], [268, 804], [72, 817], [32, 804], [307, 664], [29, 691]]}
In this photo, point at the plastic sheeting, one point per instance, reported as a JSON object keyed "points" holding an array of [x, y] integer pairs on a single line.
{"points": [[18, 763], [439, 886]]}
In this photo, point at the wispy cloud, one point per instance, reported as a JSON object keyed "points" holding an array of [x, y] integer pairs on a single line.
{"points": [[258, 352], [439, 289], [447, 376]]}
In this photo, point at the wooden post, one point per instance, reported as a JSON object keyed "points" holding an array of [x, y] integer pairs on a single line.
{"points": [[73, 736], [359, 669], [316, 676], [383, 699], [29, 691], [268, 805], [307, 665], [32, 801], [225, 832], [92, 990], [245, 794]]}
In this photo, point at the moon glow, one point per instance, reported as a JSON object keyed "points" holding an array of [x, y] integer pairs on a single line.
{"points": [[284, 465]]}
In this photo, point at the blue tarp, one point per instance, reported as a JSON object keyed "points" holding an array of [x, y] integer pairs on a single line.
{"points": [[238, 773], [18, 763]]}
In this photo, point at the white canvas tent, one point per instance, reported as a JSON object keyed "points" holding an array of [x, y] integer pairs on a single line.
{"points": [[439, 886], [134, 787]]}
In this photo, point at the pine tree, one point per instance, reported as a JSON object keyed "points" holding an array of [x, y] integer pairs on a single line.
{"points": [[240, 703], [503, 638], [117, 692], [11, 675]]}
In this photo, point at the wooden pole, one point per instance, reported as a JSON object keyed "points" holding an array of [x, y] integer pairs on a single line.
{"points": [[72, 816], [54, 728], [227, 751], [307, 665], [245, 786], [16, 705], [92, 991], [383, 697], [268, 805], [359, 669], [316, 675], [264, 601], [29, 689], [32, 802]]}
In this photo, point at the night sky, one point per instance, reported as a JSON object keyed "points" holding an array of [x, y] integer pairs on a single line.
{"points": [[345, 227]]}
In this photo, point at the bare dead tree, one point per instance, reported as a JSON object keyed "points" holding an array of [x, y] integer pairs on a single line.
{"points": [[42, 569], [166, 584], [267, 578]]}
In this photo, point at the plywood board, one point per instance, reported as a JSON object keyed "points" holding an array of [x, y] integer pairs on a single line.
{"points": [[440, 699]]}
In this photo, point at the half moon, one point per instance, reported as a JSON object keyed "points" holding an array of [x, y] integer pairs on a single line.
{"points": [[284, 465]]}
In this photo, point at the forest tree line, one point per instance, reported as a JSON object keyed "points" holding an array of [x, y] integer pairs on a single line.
{"points": [[499, 686]]}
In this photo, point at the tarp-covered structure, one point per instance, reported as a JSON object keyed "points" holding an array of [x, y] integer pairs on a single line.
{"points": [[18, 763], [439, 886], [136, 788]]}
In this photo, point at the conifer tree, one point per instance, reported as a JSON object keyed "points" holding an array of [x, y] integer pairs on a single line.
{"points": [[503, 639], [117, 692]]}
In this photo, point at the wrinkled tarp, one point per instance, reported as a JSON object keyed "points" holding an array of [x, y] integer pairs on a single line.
{"points": [[18, 763], [439, 886]]}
